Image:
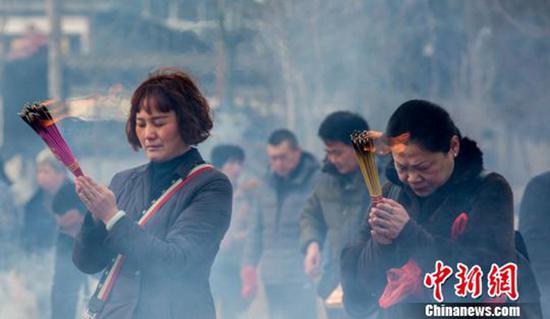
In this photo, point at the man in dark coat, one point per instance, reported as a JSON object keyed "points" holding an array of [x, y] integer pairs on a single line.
{"points": [[330, 217], [534, 225], [273, 240]]}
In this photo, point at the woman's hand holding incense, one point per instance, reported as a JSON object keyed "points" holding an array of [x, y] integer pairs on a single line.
{"points": [[99, 199], [387, 220]]}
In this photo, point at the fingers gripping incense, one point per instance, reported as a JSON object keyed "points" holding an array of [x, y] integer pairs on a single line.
{"points": [[39, 118]]}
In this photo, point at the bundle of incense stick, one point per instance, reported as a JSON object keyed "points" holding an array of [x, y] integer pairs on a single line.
{"points": [[365, 151], [39, 118]]}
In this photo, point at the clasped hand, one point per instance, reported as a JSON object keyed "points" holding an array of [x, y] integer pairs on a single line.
{"points": [[387, 219], [99, 200]]}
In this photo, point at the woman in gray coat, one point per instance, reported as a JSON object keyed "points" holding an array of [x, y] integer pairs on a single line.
{"points": [[157, 228]]}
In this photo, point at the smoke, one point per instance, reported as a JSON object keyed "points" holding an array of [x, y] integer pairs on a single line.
{"points": [[25, 286], [267, 64]]}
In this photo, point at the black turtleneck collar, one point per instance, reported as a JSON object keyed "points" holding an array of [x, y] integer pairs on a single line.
{"points": [[162, 174]]}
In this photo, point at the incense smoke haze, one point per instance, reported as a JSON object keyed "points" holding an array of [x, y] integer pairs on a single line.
{"points": [[266, 64]]}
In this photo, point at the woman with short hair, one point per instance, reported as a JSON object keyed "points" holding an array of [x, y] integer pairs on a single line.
{"points": [[157, 228]]}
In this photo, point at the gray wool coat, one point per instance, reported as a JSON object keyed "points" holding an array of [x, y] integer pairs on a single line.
{"points": [[273, 240], [168, 261], [331, 217]]}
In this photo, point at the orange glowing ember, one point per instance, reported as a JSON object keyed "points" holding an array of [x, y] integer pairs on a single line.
{"points": [[397, 144], [382, 144], [54, 120]]}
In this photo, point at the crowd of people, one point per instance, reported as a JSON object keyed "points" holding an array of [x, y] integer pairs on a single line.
{"points": [[186, 237]]}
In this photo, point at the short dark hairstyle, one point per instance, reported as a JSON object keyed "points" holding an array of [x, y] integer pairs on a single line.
{"points": [[171, 89], [428, 124], [224, 153], [338, 126], [279, 136]]}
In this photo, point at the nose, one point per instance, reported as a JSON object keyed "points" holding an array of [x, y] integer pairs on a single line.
{"points": [[331, 159], [413, 177], [150, 132], [277, 163]]}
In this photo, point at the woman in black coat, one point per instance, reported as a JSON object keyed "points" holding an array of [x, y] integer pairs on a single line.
{"points": [[438, 205], [157, 228]]}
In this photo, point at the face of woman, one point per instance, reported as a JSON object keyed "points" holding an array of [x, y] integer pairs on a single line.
{"points": [[159, 135], [424, 171]]}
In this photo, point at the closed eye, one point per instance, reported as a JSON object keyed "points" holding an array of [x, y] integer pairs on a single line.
{"points": [[158, 123]]}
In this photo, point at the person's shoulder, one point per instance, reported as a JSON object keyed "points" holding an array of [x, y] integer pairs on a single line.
{"points": [[541, 180], [213, 176], [319, 181], [325, 183], [493, 179], [495, 184], [131, 171], [121, 177]]}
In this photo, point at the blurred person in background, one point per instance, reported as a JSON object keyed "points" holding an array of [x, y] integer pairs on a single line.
{"points": [[330, 217], [438, 205], [534, 224], [67, 279], [39, 229], [39, 225], [162, 243], [273, 238], [9, 220], [226, 283]]}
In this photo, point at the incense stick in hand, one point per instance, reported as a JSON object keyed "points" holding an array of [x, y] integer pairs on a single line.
{"points": [[39, 118]]}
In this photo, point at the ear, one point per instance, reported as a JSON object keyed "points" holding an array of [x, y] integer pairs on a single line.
{"points": [[455, 145]]}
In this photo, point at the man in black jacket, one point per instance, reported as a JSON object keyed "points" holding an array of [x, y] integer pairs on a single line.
{"points": [[273, 238]]}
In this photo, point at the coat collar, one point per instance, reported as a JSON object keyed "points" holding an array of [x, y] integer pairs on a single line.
{"points": [[307, 166], [348, 181], [190, 160]]}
